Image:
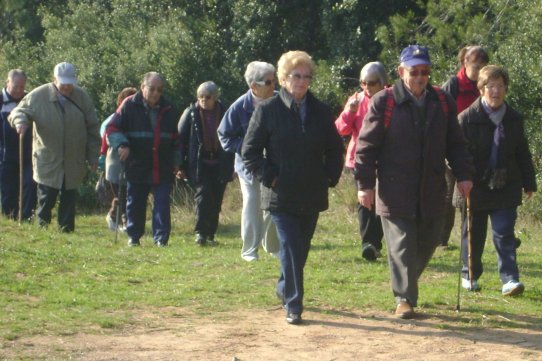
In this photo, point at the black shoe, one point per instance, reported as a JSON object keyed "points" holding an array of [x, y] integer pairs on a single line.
{"points": [[293, 318], [160, 244], [200, 239], [212, 242], [369, 252], [133, 242]]}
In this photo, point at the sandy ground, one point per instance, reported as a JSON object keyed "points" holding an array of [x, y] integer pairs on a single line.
{"points": [[264, 335]]}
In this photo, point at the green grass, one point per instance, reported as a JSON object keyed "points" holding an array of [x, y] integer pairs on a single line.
{"points": [[55, 283]]}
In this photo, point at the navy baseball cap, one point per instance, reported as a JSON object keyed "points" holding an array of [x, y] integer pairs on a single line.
{"points": [[414, 55]]}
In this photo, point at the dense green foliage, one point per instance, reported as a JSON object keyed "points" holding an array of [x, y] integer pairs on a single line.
{"points": [[114, 42]]}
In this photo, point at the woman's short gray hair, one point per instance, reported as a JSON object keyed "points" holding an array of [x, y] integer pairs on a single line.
{"points": [[374, 69], [209, 87], [257, 71]]}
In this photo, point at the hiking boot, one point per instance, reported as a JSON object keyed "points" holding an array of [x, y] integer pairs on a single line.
{"points": [[293, 318], [404, 310], [513, 288], [369, 252]]}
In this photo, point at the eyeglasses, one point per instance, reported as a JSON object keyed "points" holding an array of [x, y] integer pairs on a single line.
{"points": [[422, 72], [267, 82], [299, 77], [370, 83], [498, 87], [208, 97]]}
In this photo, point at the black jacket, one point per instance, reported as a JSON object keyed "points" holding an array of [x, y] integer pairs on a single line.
{"points": [[153, 152], [305, 161], [520, 174], [191, 138]]}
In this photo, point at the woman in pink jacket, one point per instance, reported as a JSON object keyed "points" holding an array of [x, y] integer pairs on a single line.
{"points": [[373, 78]]}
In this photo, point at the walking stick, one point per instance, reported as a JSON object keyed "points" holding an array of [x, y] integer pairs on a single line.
{"points": [[469, 254], [469, 240], [122, 178], [21, 177]]}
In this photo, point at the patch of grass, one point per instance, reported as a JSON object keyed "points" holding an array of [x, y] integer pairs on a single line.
{"points": [[66, 283]]}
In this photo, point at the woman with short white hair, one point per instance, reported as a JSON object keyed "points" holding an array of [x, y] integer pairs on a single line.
{"points": [[256, 225]]}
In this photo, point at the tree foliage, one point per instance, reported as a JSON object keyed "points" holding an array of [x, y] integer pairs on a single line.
{"points": [[114, 42]]}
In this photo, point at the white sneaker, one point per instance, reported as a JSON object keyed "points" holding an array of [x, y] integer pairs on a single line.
{"points": [[513, 288], [465, 283], [250, 258], [110, 222]]}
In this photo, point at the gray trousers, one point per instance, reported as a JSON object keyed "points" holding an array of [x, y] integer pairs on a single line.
{"points": [[411, 244]]}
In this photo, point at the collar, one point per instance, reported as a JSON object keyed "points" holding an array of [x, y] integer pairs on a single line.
{"points": [[288, 99]]}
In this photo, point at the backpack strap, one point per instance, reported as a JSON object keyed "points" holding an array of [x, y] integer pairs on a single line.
{"points": [[390, 104], [443, 102]]}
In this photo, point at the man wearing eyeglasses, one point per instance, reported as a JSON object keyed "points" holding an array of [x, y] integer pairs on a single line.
{"points": [[407, 135]]}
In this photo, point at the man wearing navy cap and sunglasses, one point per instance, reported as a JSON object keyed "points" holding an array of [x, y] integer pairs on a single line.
{"points": [[408, 134]]}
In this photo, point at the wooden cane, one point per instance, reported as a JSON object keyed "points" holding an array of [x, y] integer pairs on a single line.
{"points": [[469, 240], [21, 177]]}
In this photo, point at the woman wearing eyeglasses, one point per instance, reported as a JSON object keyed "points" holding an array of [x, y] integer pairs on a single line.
{"points": [[504, 170], [294, 150], [256, 225], [373, 78], [462, 87], [204, 162]]}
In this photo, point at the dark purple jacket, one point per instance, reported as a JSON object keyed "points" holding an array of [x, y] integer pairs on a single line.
{"points": [[408, 162]]}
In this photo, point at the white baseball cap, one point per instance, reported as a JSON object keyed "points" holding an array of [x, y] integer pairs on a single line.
{"points": [[65, 73]]}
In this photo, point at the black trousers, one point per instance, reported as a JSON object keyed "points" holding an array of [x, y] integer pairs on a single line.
{"points": [[209, 193], [370, 226], [66, 208]]}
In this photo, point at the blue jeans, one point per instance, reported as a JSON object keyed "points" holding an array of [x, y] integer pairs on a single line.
{"points": [[136, 209], [295, 234], [502, 223]]}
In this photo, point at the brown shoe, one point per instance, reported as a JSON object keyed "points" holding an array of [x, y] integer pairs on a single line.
{"points": [[404, 310]]}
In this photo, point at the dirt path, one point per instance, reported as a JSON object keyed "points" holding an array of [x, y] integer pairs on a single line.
{"points": [[264, 335]]}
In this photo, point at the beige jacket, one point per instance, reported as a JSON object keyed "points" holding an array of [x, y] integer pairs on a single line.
{"points": [[64, 140]]}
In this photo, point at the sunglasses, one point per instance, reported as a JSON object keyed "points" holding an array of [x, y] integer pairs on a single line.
{"points": [[416, 72], [208, 97], [299, 77], [268, 82], [370, 83]]}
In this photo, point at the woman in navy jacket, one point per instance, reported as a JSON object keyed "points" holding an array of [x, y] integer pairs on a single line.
{"points": [[293, 148]]}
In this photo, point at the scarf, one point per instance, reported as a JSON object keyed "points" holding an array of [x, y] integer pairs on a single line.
{"points": [[467, 90], [496, 172]]}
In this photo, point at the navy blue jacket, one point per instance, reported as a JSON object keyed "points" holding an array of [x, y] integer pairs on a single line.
{"points": [[9, 139], [153, 152]]}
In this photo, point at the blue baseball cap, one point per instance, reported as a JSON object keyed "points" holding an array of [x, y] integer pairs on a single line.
{"points": [[414, 55]]}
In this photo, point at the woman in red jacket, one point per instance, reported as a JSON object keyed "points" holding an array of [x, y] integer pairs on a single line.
{"points": [[462, 87], [373, 78]]}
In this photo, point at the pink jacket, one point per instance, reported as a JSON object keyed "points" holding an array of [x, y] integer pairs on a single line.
{"points": [[350, 123]]}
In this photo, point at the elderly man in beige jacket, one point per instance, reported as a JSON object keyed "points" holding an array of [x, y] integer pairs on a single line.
{"points": [[65, 140]]}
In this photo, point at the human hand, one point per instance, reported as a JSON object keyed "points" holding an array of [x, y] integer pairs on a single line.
{"points": [[124, 152], [366, 197], [179, 173], [353, 104], [464, 188], [21, 128]]}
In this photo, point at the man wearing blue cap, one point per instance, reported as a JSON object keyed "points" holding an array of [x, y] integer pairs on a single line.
{"points": [[408, 134]]}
